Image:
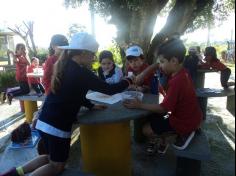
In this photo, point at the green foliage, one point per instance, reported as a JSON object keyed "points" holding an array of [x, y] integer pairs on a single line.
{"points": [[42, 55], [7, 79]]}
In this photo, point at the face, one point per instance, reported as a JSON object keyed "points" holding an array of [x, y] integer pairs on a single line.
{"points": [[57, 51], [21, 50], [35, 62], [136, 63], [165, 65], [107, 64], [87, 59]]}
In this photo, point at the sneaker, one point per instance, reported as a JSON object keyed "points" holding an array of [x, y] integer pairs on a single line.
{"points": [[11, 172], [151, 148], [163, 148], [9, 99], [182, 142]]}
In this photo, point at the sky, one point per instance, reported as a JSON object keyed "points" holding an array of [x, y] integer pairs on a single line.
{"points": [[51, 17]]}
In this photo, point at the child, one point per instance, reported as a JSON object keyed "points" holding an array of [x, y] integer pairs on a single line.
{"points": [[108, 71], [213, 63], [70, 83], [180, 101], [35, 82], [21, 68], [54, 53], [136, 65]]}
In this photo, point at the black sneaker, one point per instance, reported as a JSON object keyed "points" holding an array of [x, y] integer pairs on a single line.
{"points": [[182, 142], [163, 148], [151, 148], [11, 172]]}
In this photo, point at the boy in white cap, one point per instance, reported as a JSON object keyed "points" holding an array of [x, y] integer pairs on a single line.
{"points": [[135, 65], [69, 87]]}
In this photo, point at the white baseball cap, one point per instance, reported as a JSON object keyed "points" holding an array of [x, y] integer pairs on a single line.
{"points": [[134, 51], [82, 41]]}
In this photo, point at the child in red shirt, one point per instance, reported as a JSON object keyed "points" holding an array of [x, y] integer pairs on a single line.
{"points": [[213, 63], [54, 53], [35, 83], [179, 112], [136, 65], [21, 68]]}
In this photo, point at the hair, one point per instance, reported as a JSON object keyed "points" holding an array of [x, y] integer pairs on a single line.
{"points": [[21, 133], [19, 45], [34, 58], [57, 40], [211, 51], [60, 66], [135, 57], [173, 48], [106, 54]]}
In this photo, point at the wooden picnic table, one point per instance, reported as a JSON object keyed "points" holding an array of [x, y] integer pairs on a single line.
{"points": [[105, 138]]}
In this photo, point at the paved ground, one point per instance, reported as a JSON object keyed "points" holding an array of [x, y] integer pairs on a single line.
{"points": [[219, 127]]}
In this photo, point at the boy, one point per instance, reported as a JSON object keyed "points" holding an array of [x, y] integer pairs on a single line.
{"points": [[180, 102], [135, 65], [34, 82]]}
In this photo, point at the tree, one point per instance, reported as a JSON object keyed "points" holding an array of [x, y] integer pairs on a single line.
{"points": [[135, 19], [26, 31]]}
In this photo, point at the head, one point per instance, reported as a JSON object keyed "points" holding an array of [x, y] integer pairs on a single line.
{"points": [[192, 51], [135, 57], [106, 60], [210, 53], [20, 49], [171, 56], [35, 61], [81, 49], [57, 40]]}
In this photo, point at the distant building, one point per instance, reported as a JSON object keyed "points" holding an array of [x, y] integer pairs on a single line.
{"points": [[6, 42]]}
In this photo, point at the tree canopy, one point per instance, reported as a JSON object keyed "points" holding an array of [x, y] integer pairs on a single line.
{"points": [[135, 19]]}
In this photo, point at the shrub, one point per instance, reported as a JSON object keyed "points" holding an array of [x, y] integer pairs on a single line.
{"points": [[7, 79]]}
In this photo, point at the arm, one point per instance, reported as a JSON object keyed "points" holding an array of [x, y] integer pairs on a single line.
{"points": [[9, 52], [140, 78], [136, 104]]}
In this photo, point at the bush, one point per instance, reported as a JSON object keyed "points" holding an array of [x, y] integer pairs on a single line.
{"points": [[7, 79]]}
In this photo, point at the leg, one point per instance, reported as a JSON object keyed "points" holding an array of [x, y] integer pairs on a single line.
{"points": [[52, 168], [224, 77], [36, 88], [35, 163]]}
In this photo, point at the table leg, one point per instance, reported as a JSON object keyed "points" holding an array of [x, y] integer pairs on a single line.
{"points": [[106, 149], [30, 108], [200, 80], [203, 105]]}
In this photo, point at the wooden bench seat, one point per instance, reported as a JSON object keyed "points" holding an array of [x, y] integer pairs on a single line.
{"points": [[204, 93], [189, 160]]}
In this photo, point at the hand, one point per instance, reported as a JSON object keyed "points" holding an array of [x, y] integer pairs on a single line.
{"points": [[139, 79], [10, 52], [132, 104], [99, 107]]}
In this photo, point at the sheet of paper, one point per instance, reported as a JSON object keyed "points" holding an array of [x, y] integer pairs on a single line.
{"points": [[100, 97]]}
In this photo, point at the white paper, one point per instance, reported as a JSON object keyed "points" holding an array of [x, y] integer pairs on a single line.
{"points": [[100, 97]]}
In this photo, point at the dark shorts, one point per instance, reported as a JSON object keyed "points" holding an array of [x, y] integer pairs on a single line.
{"points": [[57, 148], [160, 124]]}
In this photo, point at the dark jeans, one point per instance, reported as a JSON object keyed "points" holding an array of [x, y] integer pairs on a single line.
{"points": [[24, 89], [38, 88], [224, 77]]}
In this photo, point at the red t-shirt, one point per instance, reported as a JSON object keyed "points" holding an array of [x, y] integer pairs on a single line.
{"points": [[32, 80], [182, 102], [21, 68], [48, 71], [214, 64], [147, 79]]}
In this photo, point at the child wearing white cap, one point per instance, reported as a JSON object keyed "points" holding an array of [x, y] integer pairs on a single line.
{"points": [[136, 64], [70, 83]]}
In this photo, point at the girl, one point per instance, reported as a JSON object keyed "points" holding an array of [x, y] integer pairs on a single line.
{"points": [[54, 53], [213, 62], [108, 71], [70, 83], [21, 62], [35, 82]]}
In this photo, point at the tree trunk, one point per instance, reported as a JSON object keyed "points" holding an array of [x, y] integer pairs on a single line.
{"points": [[180, 18]]}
